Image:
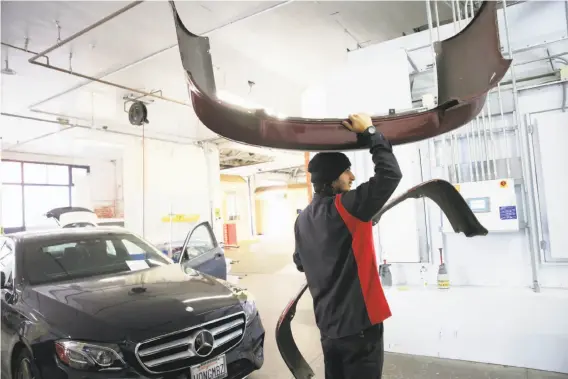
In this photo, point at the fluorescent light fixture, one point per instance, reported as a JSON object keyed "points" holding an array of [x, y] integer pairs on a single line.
{"points": [[239, 101]]}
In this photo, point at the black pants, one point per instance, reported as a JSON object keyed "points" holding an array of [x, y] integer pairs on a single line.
{"points": [[355, 357]]}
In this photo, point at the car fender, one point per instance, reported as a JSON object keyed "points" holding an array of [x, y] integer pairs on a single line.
{"points": [[462, 219]]}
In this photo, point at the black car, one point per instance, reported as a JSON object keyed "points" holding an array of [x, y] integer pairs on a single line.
{"points": [[104, 303]]}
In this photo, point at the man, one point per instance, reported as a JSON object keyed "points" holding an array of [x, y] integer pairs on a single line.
{"points": [[334, 247]]}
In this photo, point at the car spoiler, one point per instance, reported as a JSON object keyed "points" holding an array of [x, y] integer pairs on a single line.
{"points": [[468, 64], [461, 218], [56, 213]]}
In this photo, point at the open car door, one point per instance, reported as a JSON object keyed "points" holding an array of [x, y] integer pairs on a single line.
{"points": [[462, 219], [202, 252]]}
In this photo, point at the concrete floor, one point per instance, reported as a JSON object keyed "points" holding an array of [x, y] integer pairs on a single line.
{"points": [[265, 269]]}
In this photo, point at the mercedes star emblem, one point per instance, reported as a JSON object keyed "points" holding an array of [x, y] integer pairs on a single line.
{"points": [[203, 343]]}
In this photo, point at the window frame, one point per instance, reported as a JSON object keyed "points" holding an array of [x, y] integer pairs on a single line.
{"points": [[70, 184], [211, 234]]}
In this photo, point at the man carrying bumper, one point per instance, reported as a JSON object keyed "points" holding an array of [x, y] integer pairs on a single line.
{"points": [[335, 249]]}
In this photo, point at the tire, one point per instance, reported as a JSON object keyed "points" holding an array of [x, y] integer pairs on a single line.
{"points": [[24, 366]]}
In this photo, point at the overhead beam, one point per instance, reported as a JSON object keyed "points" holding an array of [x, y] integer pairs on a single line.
{"points": [[264, 167], [258, 150]]}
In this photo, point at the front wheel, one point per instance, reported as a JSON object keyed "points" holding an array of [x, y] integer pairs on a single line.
{"points": [[24, 367]]}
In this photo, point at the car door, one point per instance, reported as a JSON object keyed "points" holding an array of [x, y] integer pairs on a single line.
{"points": [[462, 219], [202, 252]]}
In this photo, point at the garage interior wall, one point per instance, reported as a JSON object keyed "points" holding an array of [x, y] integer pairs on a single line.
{"points": [[163, 177], [491, 298], [235, 208], [277, 208]]}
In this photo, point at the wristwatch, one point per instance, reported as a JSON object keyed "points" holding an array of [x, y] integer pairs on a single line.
{"points": [[371, 130]]}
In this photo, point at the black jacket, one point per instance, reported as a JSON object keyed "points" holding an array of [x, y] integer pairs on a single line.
{"points": [[334, 247]]}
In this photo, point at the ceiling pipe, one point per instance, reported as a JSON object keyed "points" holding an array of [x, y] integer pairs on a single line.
{"points": [[39, 137], [24, 50], [86, 30], [110, 131], [33, 60]]}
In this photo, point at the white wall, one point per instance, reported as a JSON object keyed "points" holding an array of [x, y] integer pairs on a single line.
{"points": [[503, 326], [367, 71], [183, 178], [241, 191], [491, 314]]}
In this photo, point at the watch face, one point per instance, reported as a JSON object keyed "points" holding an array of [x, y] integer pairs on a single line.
{"points": [[372, 130]]}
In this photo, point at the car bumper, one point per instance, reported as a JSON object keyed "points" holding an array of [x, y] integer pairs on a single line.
{"points": [[242, 360]]}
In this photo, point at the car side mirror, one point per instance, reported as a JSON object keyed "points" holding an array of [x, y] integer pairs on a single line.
{"points": [[3, 279]]}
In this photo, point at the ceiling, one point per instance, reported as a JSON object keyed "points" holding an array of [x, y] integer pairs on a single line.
{"points": [[299, 43]]}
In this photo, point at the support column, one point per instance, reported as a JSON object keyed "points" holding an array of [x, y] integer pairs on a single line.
{"points": [[251, 182]]}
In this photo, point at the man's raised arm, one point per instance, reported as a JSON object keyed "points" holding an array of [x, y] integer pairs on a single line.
{"points": [[368, 198]]}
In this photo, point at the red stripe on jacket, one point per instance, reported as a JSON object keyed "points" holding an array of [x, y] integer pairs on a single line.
{"points": [[364, 250]]}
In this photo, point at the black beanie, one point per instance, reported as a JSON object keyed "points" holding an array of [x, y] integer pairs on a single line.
{"points": [[326, 167]]}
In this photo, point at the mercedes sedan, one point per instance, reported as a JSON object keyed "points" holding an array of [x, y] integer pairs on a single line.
{"points": [[104, 303]]}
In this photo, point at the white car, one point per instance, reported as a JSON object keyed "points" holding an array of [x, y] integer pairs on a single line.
{"points": [[76, 217]]}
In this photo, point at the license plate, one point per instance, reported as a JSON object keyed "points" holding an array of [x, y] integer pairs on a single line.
{"points": [[215, 368]]}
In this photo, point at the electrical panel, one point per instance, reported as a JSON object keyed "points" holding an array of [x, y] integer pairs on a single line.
{"points": [[494, 203]]}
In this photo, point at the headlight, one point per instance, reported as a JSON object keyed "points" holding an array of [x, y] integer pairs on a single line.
{"points": [[245, 297], [84, 356], [249, 306]]}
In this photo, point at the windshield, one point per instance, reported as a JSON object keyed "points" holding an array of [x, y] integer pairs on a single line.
{"points": [[74, 257], [79, 225]]}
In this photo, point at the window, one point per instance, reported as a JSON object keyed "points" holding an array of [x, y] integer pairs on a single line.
{"points": [[40, 199], [11, 172], [200, 242], [201, 238], [12, 207], [83, 256], [43, 186], [41, 173], [3, 252], [58, 249], [192, 252], [57, 174], [110, 248], [77, 173], [7, 261], [35, 173]]}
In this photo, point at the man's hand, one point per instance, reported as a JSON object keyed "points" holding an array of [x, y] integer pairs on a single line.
{"points": [[359, 122]]}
